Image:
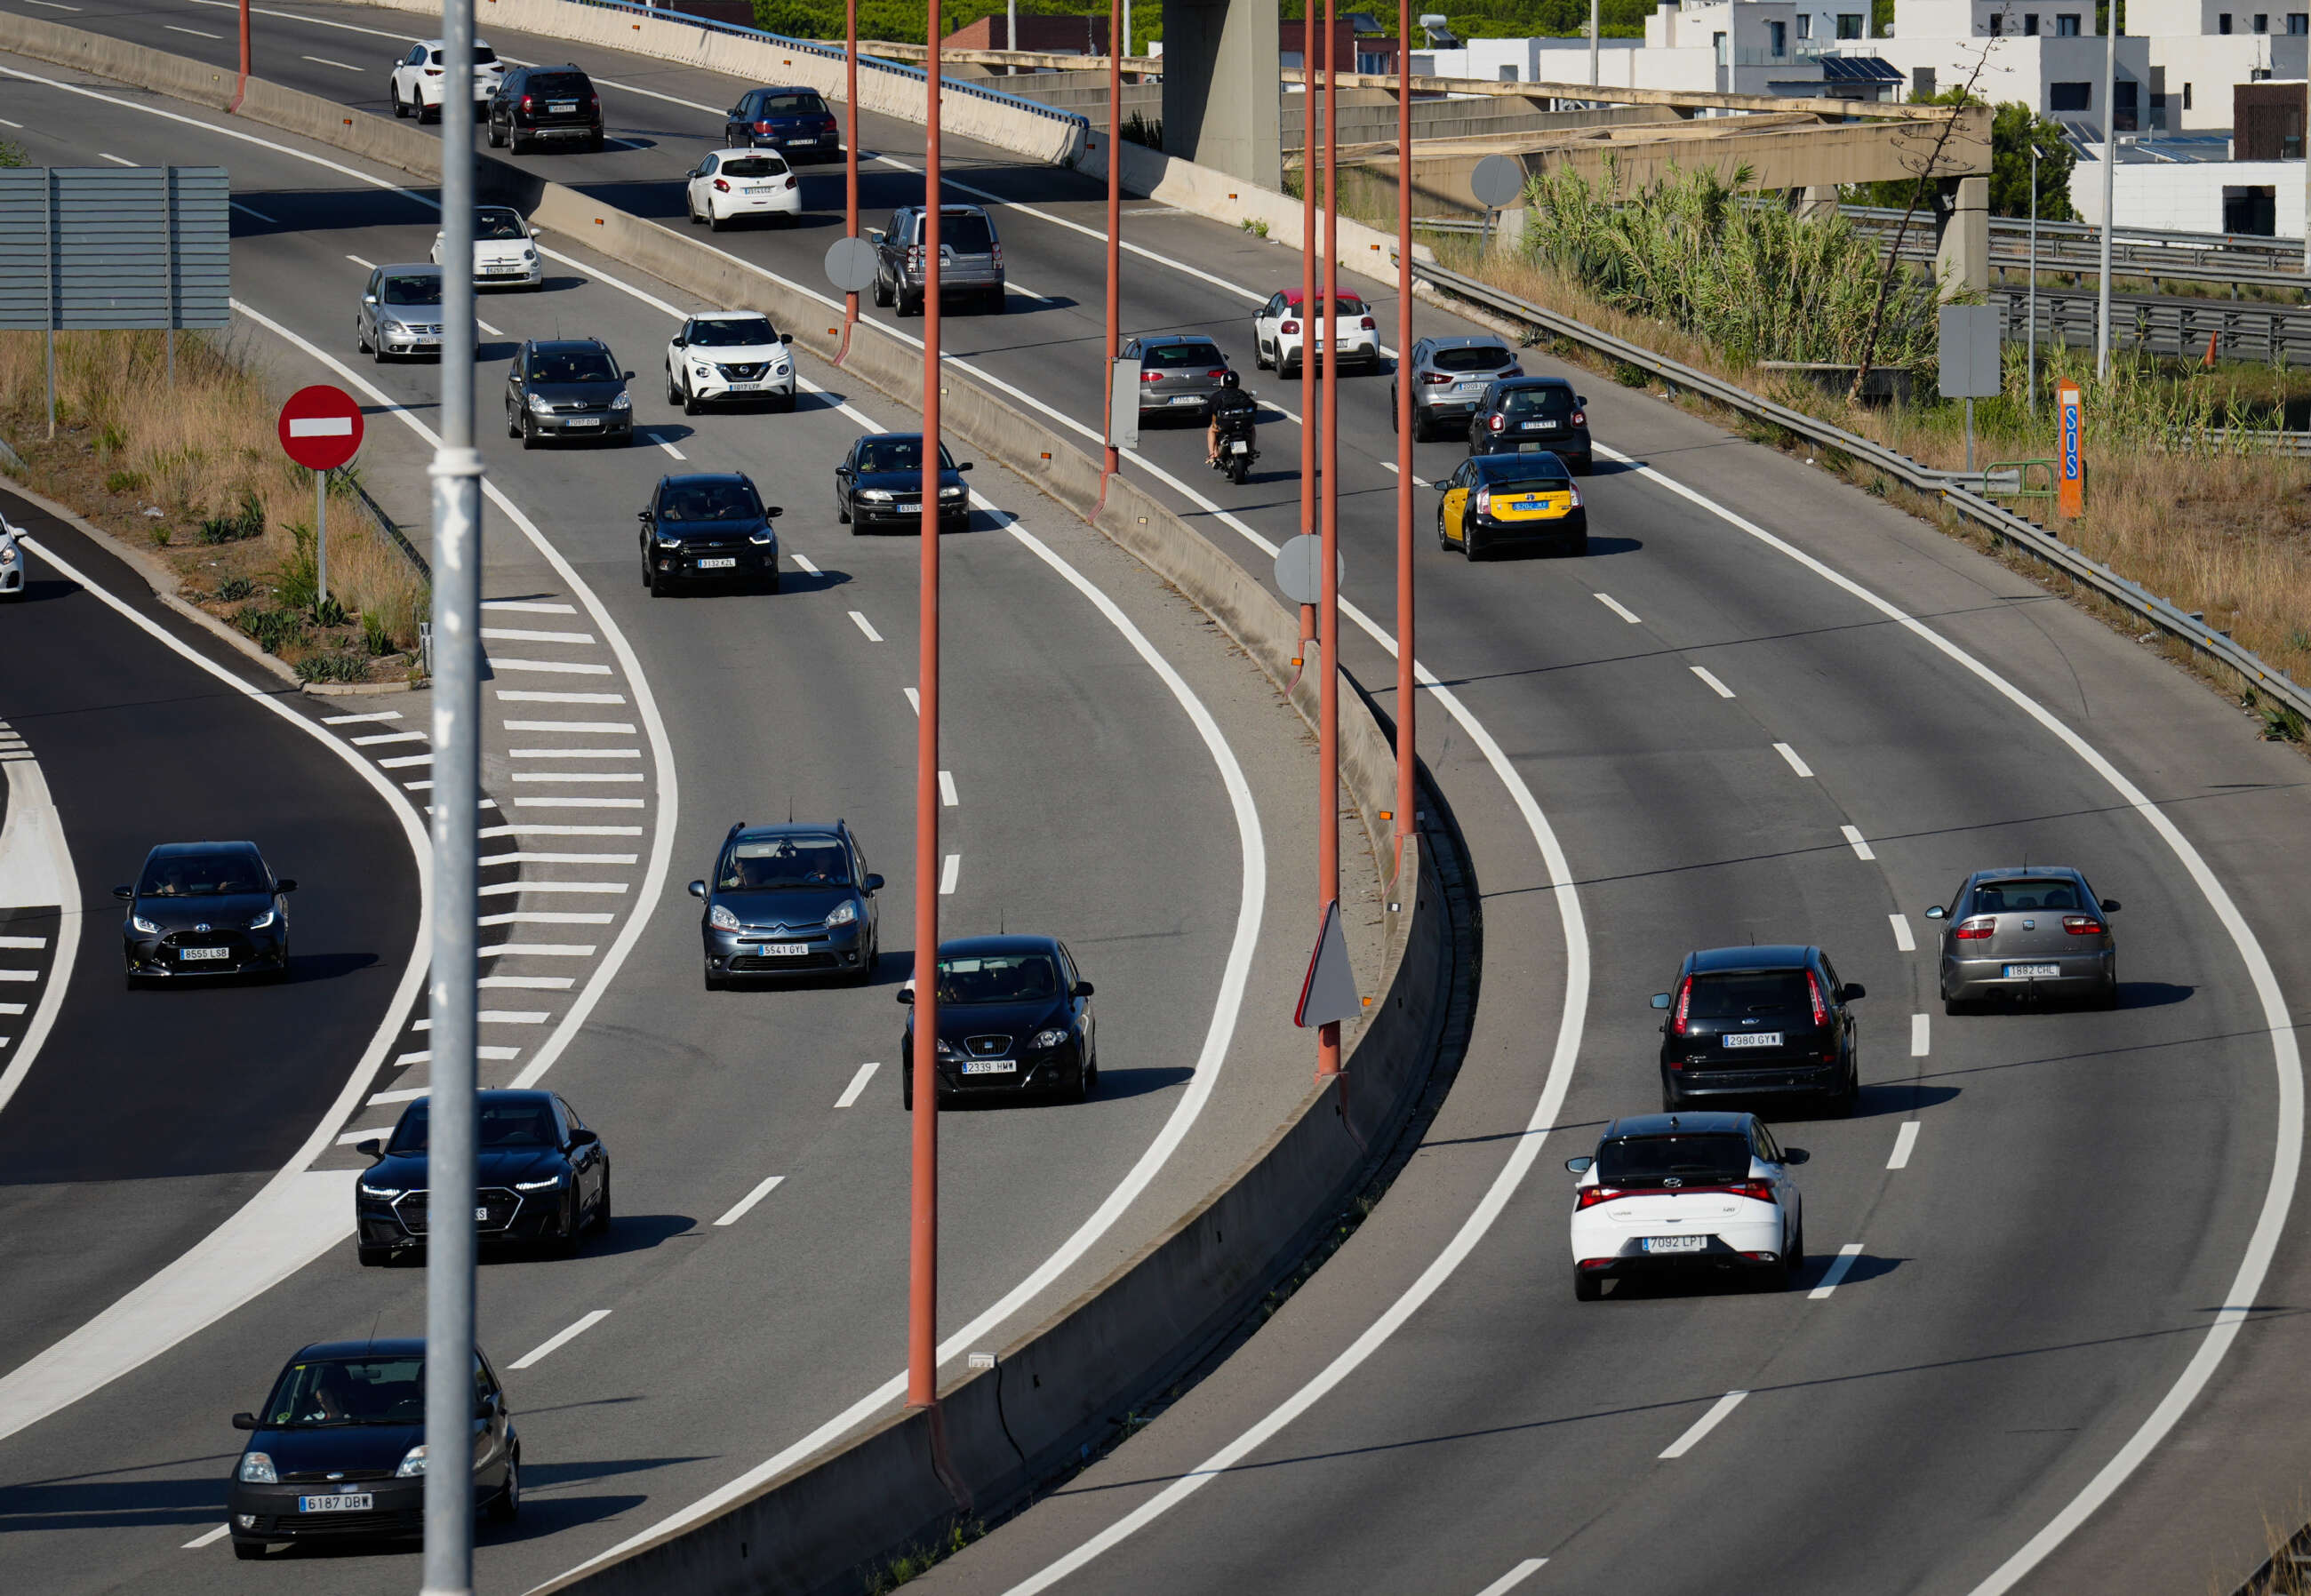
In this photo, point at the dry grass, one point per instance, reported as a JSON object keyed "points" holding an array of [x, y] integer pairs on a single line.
{"points": [[196, 472]]}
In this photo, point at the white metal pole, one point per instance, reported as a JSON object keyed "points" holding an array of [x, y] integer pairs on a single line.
{"points": [[2109, 186], [1593, 79], [320, 543], [1010, 30], [1123, 47], [2030, 303]]}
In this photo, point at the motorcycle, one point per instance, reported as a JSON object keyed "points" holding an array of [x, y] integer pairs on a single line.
{"points": [[1238, 453]]}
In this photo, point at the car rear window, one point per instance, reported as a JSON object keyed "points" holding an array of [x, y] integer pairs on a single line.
{"points": [[1553, 402], [1487, 358], [1170, 357], [2000, 897], [1737, 996], [793, 105], [1529, 478], [754, 166], [961, 235], [1703, 1159], [483, 55], [559, 86]]}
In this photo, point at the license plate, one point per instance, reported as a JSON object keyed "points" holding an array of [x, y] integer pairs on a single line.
{"points": [[584, 421], [337, 1502], [723, 563], [1753, 1039], [560, 107], [780, 950], [501, 271], [754, 188], [2019, 972], [742, 388], [204, 953], [910, 509], [1676, 1243], [990, 1067], [1239, 447], [1187, 398], [1537, 426]]}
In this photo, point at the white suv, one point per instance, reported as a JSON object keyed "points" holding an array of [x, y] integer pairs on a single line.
{"points": [[728, 355], [1276, 337], [1707, 1192], [416, 84]]}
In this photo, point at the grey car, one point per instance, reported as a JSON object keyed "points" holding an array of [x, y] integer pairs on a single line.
{"points": [[2024, 932], [567, 388], [400, 312], [970, 260], [1449, 376], [1179, 374]]}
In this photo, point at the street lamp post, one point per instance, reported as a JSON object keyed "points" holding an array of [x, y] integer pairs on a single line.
{"points": [[1406, 755], [2030, 302], [1111, 456], [2109, 184], [1328, 621], [850, 154]]}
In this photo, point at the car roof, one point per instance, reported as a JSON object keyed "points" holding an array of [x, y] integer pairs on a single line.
{"points": [[751, 152], [729, 315], [500, 1094], [1292, 295], [436, 44], [782, 89], [427, 266], [1715, 1121], [743, 832], [1772, 955], [691, 478], [2010, 872], [1145, 338], [180, 850], [375, 1346], [1506, 462], [1014, 942]]}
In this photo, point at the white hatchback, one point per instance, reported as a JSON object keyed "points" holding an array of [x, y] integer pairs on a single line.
{"points": [[416, 84], [1684, 1194], [1278, 334], [505, 251], [732, 184], [727, 356]]}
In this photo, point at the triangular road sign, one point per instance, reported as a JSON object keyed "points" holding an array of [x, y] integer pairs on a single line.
{"points": [[1329, 991]]}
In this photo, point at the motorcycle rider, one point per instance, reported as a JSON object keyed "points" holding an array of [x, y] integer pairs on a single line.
{"points": [[1232, 412]]}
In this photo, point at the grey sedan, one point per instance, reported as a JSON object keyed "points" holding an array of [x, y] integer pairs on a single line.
{"points": [[1449, 376], [1179, 374], [2021, 932]]}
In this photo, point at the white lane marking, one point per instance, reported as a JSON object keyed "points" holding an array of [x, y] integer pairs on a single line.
{"points": [[55, 5], [505, 888], [575, 753], [535, 950], [425, 1056], [116, 160], [399, 1095], [211, 1539], [560, 858], [404, 762], [1617, 607], [802, 563], [252, 211], [364, 265], [867, 627], [531, 606], [669, 448], [566, 777], [12, 1008], [340, 66], [532, 828], [553, 667], [1902, 937], [25, 976], [914, 700], [947, 789], [541, 917], [1918, 1035], [1515, 1576], [1795, 764], [622, 728], [1707, 1422], [948, 871], [1839, 1266], [521, 695], [738, 1209], [541, 983], [36, 870], [1905, 1140], [418, 787], [511, 634], [1861, 848], [196, 33], [486, 327], [555, 1343], [374, 739], [857, 1082], [1716, 686], [354, 1138], [361, 720], [577, 803], [497, 1017], [33, 943], [4, 122]]}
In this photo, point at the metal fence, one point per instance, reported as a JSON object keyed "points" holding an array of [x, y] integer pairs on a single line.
{"points": [[2271, 333], [114, 247]]}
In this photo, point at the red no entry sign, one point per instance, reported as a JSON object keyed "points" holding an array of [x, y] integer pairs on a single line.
{"points": [[322, 427]]}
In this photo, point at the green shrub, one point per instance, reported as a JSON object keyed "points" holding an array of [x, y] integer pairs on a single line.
{"points": [[377, 634], [234, 589], [240, 526], [341, 665], [275, 630], [124, 482]]}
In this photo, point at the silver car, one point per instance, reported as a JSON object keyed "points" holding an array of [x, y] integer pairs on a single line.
{"points": [[970, 260], [2022, 932], [1449, 376], [1179, 374], [400, 312]]}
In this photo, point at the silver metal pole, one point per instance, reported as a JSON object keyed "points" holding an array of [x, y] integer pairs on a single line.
{"points": [[1593, 79], [2030, 334], [457, 474], [1969, 434], [1010, 30], [2109, 184], [321, 542], [51, 335]]}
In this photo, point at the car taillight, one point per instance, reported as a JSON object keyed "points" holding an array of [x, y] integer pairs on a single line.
{"points": [[1215, 376], [1754, 1191], [1484, 500], [593, 102], [1684, 1000], [1151, 376], [1369, 325], [995, 254], [914, 255], [790, 179], [1589, 1197], [2082, 925], [1433, 378], [1977, 929], [525, 102], [1493, 422], [1290, 330], [432, 72], [1813, 991], [1580, 418], [1575, 493], [720, 186], [763, 126]]}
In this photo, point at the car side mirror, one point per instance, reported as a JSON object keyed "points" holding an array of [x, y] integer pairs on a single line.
{"points": [[1850, 991], [698, 889], [127, 894], [374, 1147], [1582, 400], [644, 516], [1937, 912], [680, 342], [843, 469], [964, 466], [1660, 999], [874, 884], [583, 1137], [1082, 988], [625, 376], [244, 1421], [2110, 905], [771, 512], [485, 1406], [786, 337], [875, 233], [1794, 1155], [906, 995], [1580, 1166], [287, 884], [368, 299]]}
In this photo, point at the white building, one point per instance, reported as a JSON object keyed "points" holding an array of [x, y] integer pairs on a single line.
{"points": [[1529, 60], [2196, 196]]}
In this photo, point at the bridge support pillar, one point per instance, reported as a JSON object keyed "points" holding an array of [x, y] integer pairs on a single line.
{"points": [[1222, 87], [1962, 236], [1815, 199]]}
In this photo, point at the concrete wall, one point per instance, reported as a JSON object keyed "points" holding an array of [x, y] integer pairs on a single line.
{"points": [[2212, 64], [1222, 81], [2188, 195]]}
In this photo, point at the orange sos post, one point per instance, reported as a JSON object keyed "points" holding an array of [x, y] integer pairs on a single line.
{"points": [[2071, 475]]}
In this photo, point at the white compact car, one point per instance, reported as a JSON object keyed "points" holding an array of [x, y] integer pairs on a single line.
{"points": [[1277, 334], [505, 251], [11, 563], [734, 185], [1691, 1193], [724, 355], [415, 85]]}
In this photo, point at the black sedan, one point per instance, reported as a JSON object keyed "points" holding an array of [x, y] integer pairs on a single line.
{"points": [[338, 1451], [1756, 1022], [206, 909], [542, 1176], [1014, 1017], [796, 899], [1520, 412], [879, 486], [709, 529]]}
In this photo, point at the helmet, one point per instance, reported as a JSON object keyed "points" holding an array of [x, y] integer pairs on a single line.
{"points": [[1230, 379]]}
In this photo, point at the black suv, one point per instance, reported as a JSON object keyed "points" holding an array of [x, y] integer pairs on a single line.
{"points": [[709, 528], [1528, 412], [1758, 1022], [790, 119], [545, 105], [795, 899], [970, 260], [567, 388]]}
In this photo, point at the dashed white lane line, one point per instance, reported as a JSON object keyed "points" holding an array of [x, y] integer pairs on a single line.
{"points": [[404, 762], [802, 563], [343, 66], [531, 606], [1902, 937], [505, 888], [948, 872], [196, 33], [867, 627], [738, 1209], [531, 695], [531, 828], [1905, 1139], [399, 1095], [367, 265], [947, 789], [536, 950], [354, 1138], [576, 753], [1839, 1266], [30, 944], [857, 1082], [555, 1343], [497, 1017], [116, 160], [1619, 608], [669, 448], [1918, 1035], [1791, 756], [1716, 686], [486, 327], [1515, 1577], [622, 728], [12, 1008], [22, 975], [559, 858], [566, 778], [513, 635], [576, 803], [1861, 848], [374, 715], [211, 1539], [59, 5], [914, 700], [1702, 1427], [542, 917]]}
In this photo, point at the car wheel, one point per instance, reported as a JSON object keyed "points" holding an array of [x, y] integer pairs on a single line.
{"points": [[771, 582], [513, 423], [713, 218], [1587, 1287], [1442, 542], [1259, 356], [673, 392], [882, 293], [1581, 545], [497, 139], [1671, 1101], [360, 338], [249, 1551], [909, 305], [374, 1256], [513, 141], [690, 404], [907, 1084], [1470, 548], [600, 1224], [377, 352], [1395, 421], [689, 207], [594, 145], [506, 1506], [1796, 1254], [399, 109], [528, 434], [564, 1244], [1841, 1102], [1771, 1276], [842, 509], [658, 586]]}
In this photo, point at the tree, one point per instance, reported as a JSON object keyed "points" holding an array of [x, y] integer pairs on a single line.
{"points": [[2016, 128]]}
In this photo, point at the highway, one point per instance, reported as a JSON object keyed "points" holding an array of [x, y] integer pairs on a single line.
{"points": [[1765, 706]]}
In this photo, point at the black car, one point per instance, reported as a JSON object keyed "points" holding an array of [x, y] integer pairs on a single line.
{"points": [[1754, 1022], [796, 899], [338, 1451], [206, 909], [790, 119], [1014, 1017], [1500, 501], [879, 486], [567, 388], [709, 528], [545, 105], [542, 1177], [1520, 412]]}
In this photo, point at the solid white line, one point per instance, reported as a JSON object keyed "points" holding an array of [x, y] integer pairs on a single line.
{"points": [[116, 160], [1861, 848], [867, 627], [358, 720], [622, 727], [1905, 1139], [1716, 686], [211, 1539], [801, 563], [738, 1209], [857, 1082], [1791, 754], [341, 66], [252, 211], [555, 1343], [1902, 939], [25, 976], [1515, 1577], [1619, 608], [365, 265], [1839, 1266], [530, 695], [509, 634], [948, 872], [947, 789], [1706, 1423], [1918, 1035], [530, 607]]}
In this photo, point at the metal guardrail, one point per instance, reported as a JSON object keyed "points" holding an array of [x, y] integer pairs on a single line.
{"points": [[2025, 535], [2240, 242], [2241, 329]]}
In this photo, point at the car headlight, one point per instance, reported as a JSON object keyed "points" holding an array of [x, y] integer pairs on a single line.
{"points": [[941, 1048], [264, 921], [1047, 1039], [624, 401], [548, 1184], [722, 918], [538, 404], [875, 496], [844, 912], [528, 257], [763, 538], [412, 1463], [142, 926], [257, 1468], [950, 492], [702, 371], [670, 545], [387, 1193]]}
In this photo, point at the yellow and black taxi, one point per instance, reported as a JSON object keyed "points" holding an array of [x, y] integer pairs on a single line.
{"points": [[1494, 501]]}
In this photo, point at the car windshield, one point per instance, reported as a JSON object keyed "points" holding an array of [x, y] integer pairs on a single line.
{"points": [[793, 105], [960, 232], [411, 288], [898, 454], [1167, 357], [738, 333], [524, 1122], [753, 166], [563, 86], [1689, 1160], [572, 365], [1751, 992], [811, 861], [204, 875], [497, 221], [1552, 402], [2002, 897], [997, 978], [351, 1390], [1487, 357], [710, 502]]}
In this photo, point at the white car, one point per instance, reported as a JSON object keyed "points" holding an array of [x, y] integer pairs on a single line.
{"points": [[11, 563], [1278, 334], [1693, 1193], [732, 184], [505, 251], [417, 78], [728, 355]]}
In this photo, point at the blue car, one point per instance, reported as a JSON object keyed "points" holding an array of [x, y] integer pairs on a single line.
{"points": [[790, 119]]}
